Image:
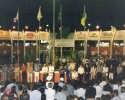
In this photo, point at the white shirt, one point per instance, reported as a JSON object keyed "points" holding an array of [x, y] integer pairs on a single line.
{"points": [[60, 96], [123, 63], [102, 84], [49, 94], [116, 98], [35, 95], [81, 92], [115, 87], [81, 70], [105, 70], [119, 88], [122, 96], [74, 75], [45, 70], [51, 69], [61, 84], [98, 91]]}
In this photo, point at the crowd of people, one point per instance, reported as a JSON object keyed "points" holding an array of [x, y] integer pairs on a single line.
{"points": [[94, 79]]}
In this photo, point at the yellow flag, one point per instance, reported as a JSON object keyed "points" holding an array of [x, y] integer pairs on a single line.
{"points": [[39, 15]]}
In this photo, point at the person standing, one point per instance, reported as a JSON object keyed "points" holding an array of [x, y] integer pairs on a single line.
{"points": [[45, 71], [119, 71], [93, 72], [29, 73], [81, 73], [23, 68], [36, 71], [87, 72], [67, 69], [4, 69], [51, 69], [105, 71], [17, 71], [10, 70], [111, 72], [99, 73]]}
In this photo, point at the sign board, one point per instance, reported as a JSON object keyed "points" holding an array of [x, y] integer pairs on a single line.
{"points": [[80, 35], [64, 43], [4, 35], [42, 35], [93, 35], [107, 35], [29, 35], [119, 35], [17, 35]]}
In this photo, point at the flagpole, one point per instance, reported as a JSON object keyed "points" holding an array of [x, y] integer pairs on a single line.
{"points": [[61, 31], [84, 39], [39, 42], [54, 33], [18, 35]]}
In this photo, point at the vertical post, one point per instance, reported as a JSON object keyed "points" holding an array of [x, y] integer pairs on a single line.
{"points": [[61, 31], [24, 48], [39, 42], [11, 47], [54, 33], [124, 48], [18, 38]]}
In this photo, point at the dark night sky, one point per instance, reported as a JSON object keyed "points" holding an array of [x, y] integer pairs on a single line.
{"points": [[105, 13]]}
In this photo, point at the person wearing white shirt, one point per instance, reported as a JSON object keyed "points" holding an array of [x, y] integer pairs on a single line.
{"points": [[122, 95], [59, 95], [61, 83], [74, 75], [35, 94], [44, 71], [103, 82], [51, 69], [81, 72], [116, 97], [49, 80], [80, 92], [105, 71], [122, 85], [50, 92], [93, 72], [98, 90]]}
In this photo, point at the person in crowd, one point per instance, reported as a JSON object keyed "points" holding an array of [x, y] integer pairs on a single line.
{"points": [[119, 71], [122, 95], [50, 92], [61, 83], [90, 91], [87, 72], [65, 91], [93, 72], [20, 90], [103, 82], [61, 70], [23, 69], [36, 72], [59, 95], [81, 73], [25, 95], [116, 96], [4, 70], [44, 71], [68, 69], [13, 95], [80, 92], [70, 88], [51, 69], [29, 73], [2, 91], [121, 84], [17, 72], [98, 90], [105, 71], [10, 70], [4, 97], [13, 84], [123, 72], [99, 73], [35, 94], [49, 80], [111, 72], [74, 75]]}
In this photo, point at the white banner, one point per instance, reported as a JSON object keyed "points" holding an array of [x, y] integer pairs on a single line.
{"points": [[43, 35], [29, 35], [93, 35], [120, 35], [16, 36], [80, 35], [107, 35], [64, 43]]}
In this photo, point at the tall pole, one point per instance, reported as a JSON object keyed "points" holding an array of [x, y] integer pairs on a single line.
{"points": [[54, 33], [18, 37], [39, 42], [61, 30]]}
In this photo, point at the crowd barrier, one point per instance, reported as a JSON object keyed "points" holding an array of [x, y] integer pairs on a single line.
{"points": [[56, 76]]}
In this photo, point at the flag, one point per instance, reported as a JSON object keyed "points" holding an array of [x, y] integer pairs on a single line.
{"points": [[83, 19], [39, 15], [16, 18], [59, 17]]}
